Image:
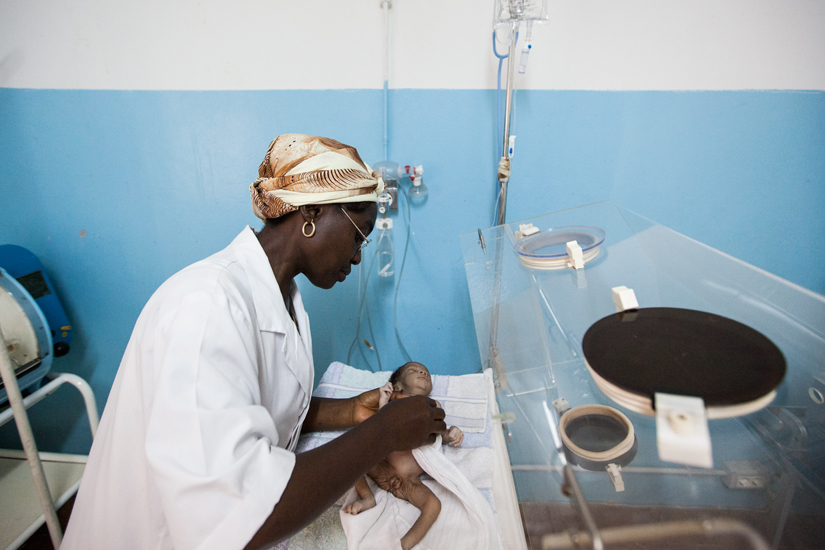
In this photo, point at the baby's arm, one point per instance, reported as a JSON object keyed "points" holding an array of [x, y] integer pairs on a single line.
{"points": [[452, 436], [366, 499], [384, 394]]}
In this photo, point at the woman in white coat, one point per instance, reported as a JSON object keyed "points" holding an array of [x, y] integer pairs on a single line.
{"points": [[196, 443]]}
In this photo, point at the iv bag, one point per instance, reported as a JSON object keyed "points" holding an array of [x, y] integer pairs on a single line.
{"points": [[518, 11]]}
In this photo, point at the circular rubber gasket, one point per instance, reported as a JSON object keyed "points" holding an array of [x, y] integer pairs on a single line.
{"points": [[634, 355], [594, 436]]}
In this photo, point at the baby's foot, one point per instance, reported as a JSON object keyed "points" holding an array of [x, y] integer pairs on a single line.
{"points": [[360, 505]]}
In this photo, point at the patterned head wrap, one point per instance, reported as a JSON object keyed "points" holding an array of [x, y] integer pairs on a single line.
{"points": [[300, 169]]}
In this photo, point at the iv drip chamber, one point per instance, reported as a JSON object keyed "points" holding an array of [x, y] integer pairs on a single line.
{"points": [[384, 248]]}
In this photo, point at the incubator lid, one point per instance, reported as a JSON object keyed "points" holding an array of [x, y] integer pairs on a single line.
{"points": [[633, 355]]}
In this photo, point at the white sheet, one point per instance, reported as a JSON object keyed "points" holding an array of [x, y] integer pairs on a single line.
{"points": [[466, 519]]}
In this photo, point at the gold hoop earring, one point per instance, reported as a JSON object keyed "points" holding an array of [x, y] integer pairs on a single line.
{"points": [[304, 228]]}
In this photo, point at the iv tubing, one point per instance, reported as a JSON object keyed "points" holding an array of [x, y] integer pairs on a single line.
{"points": [[356, 340], [513, 110], [372, 335], [401, 272], [501, 59], [358, 320], [386, 6]]}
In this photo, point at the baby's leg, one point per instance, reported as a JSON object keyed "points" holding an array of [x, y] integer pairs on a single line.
{"points": [[411, 489], [420, 496], [365, 501]]}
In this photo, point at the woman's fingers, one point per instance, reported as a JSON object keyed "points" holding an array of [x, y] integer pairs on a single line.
{"points": [[440, 414], [365, 405], [413, 422]]}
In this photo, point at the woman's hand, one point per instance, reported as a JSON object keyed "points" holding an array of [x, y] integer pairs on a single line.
{"points": [[365, 405], [342, 414], [412, 422]]}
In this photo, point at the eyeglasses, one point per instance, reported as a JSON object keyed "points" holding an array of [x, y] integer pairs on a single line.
{"points": [[364, 240]]}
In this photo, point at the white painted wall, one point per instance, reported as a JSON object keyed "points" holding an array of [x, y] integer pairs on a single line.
{"points": [[338, 44]]}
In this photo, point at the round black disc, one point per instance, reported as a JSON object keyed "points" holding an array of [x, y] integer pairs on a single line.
{"points": [[684, 352]]}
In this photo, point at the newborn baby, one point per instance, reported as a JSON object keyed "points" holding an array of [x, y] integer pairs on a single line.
{"points": [[399, 473]]}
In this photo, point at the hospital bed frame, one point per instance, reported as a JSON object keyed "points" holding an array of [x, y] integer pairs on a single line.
{"points": [[48, 472]]}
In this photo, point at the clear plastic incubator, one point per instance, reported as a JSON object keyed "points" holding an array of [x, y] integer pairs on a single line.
{"points": [[653, 392]]}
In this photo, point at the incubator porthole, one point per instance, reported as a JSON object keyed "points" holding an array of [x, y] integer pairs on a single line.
{"points": [[547, 250], [596, 435], [816, 395]]}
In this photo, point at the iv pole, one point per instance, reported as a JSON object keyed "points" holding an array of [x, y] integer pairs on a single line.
{"points": [[504, 163], [494, 358]]}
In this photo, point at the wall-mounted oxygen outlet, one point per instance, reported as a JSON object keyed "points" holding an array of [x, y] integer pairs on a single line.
{"points": [[393, 191]]}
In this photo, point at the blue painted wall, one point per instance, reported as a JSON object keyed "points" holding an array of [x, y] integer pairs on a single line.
{"points": [[159, 179]]}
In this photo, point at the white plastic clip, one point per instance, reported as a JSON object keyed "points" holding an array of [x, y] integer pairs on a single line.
{"points": [[614, 471], [624, 298], [682, 434], [561, 405], [505, 417], [574, 252], [525, 230]]}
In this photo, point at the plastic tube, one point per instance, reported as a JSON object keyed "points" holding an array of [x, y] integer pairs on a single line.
{"points": [[364, 301], [386, 6], [355, 340], [400, 273], [501, 59]]}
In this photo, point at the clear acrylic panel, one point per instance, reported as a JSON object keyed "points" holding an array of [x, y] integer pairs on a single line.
{"points": [[768, 467]]}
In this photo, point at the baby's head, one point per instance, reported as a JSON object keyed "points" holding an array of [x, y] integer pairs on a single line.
{"points": [[412, 379]]}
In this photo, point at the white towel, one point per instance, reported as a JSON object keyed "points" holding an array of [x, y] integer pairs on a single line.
{"points": [[466, 519]]}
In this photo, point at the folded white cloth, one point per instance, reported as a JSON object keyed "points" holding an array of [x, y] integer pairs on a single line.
{"points": [[466, 519]]}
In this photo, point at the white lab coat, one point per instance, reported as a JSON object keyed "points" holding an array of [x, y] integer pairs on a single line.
{"points": [[196, 443]]}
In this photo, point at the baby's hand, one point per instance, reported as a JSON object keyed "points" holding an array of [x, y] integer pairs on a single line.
{"points": [[453, 437], [384, 394]]}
